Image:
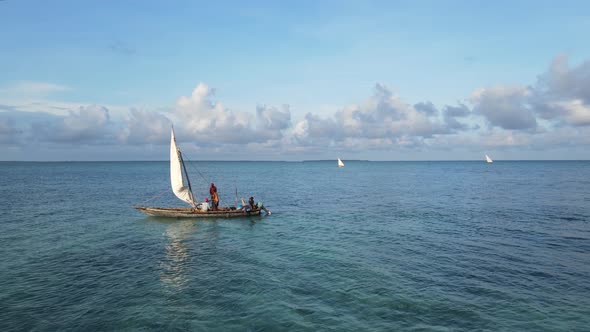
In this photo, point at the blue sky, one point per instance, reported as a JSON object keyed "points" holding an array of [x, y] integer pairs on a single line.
{"points": [[295, 80]]}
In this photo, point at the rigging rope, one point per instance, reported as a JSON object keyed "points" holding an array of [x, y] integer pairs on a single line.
{"points": [[157, 196], [194, 168]]}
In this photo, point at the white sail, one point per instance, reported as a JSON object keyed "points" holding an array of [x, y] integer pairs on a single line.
{"points": [[488, 159], [340, 163], [176, 180]]}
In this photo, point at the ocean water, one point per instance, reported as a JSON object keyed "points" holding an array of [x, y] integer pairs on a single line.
{"points": [[373, 246]]}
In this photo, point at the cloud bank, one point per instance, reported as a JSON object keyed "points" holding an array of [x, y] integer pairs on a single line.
{"points": [[554, 111]]}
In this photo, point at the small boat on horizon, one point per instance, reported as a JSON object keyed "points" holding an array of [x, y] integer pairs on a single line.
{"points": [[185, 193], [340, 163], [488, 159]]}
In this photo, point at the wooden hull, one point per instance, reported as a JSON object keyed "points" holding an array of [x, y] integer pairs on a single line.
{"points": [[192, 213]]}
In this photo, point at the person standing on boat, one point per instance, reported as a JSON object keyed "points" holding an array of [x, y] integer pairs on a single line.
{"points": [[214, 196]]}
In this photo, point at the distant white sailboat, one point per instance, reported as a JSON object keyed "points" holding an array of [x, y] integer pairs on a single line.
{"points": [[340, 163], [488, 159]]}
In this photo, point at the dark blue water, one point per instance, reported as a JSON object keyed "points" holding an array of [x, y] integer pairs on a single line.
{"points": [[381, 246]]}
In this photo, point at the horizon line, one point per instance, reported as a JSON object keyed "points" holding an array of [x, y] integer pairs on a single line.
{"points": [[281, 161]]}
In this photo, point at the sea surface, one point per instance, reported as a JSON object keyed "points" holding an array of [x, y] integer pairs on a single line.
{"points": [[373, 246]]}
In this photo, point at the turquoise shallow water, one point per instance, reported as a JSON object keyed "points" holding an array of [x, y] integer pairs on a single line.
{"points": [[380, 246]]}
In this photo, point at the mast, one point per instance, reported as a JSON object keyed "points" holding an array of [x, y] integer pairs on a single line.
{"points": [[190, 189]]}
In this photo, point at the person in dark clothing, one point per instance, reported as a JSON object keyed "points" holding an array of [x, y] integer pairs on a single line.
{"points": [[251, 202], [214, 196]]}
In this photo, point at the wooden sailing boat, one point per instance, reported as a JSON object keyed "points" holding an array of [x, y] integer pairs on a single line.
{"points": [[340, 163], [488, 159], [185, 193]]}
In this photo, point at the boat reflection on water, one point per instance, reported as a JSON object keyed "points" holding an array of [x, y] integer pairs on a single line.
{"points": [[174, 265]]}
